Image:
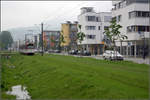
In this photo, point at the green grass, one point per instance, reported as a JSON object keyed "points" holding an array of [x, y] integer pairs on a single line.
{"points": [[67, 77]]}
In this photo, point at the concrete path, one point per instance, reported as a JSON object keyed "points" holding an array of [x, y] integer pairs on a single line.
{"points": [[136, 60], [139, 60]]}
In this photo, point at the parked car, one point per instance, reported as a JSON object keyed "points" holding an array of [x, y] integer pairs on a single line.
{"points": [[70, 52], [86, 53], [57, 51], [51, 51], [79, 52], [112, 55], [46, 52], [106, 53], [73, 52]]}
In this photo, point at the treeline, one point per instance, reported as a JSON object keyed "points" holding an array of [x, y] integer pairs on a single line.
{"points": [[6, 40]]}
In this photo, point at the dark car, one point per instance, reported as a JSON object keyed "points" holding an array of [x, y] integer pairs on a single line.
{"points": [[84, 53], [73, 52], [57, 51]]}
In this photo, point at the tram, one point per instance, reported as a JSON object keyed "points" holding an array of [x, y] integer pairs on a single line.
{"points": [[27, 49]]}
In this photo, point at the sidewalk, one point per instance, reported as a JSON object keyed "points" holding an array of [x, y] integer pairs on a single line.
{"points": [[136, 60]]}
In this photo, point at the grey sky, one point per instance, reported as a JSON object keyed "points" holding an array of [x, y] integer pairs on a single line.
{"points": [[27, 13]]}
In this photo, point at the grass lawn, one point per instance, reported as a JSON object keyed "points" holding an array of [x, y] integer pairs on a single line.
{"points": [[67, 77]]}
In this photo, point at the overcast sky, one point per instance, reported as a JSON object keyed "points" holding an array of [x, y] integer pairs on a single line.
{"points": [[28, 13]]}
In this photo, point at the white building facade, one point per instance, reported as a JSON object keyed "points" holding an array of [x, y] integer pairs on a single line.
{"points": [[93, 24], [134, 17]]}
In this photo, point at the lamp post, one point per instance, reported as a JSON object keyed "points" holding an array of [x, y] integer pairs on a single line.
{"points": [[42, 38]]}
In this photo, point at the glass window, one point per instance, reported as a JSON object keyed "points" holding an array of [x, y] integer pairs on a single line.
{"points": [[138, 29], [132, 14], [99, 28], [136, 1], [119, 5], [89, 10], [91, 36], [139, 14], [90, 27], [119, 18], [91, 18], [106, 27], [98, 19], [107, 18], [30, 46], [148, 28]]}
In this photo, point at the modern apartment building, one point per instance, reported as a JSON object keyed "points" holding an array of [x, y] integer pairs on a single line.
{"points": [[93, 25], [51, 39], [69, 31], [134, 17]]}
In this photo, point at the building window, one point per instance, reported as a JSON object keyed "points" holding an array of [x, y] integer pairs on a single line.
{"points": [[98, 19], [107, 18], [115, 7], [99, 27], [119, 18], [136, 1], [90, 27], [106, 27], [134, 14], [91, 36], [119, 5], [138, 29], [124, 3], [91, 18], [89, 10]]}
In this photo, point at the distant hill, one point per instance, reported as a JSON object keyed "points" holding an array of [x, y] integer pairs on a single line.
{"points": [[19, 33]]}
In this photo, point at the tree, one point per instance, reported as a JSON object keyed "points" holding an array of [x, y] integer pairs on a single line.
{"points": [[113, 33], [5, 40], [80, 35], [53, 41], [45, 44], [61, 39]]}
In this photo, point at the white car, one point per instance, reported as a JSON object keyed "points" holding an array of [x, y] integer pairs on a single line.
{"points": [[112, 55]]}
